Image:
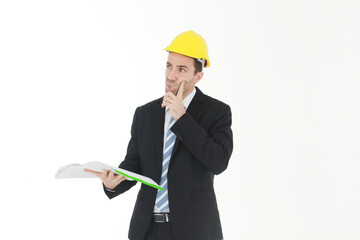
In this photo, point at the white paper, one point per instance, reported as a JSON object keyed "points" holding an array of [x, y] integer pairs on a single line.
{"points": [[77, 171]]}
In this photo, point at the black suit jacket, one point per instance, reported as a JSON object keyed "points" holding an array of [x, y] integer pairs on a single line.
{"points": [[203, 147]]}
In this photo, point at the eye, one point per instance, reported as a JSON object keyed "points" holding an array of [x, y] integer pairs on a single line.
{"points": [[182, 70], [168, 66]]}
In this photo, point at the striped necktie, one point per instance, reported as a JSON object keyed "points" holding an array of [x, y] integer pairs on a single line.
{"points": [[162, 200]]}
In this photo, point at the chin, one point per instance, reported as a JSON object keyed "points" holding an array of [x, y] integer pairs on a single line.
{"points": [[174, 91]]}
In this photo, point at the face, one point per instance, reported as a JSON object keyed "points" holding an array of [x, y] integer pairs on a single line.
{"points": [[181, 68]]}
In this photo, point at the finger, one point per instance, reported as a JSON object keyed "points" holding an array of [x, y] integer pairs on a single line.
{"points": [[167, 100], [91, 171], [169, 95], [98, 174], [167, 104], [122, 178], [180, 92], [111, 174], [105, 173], [118, 177]]}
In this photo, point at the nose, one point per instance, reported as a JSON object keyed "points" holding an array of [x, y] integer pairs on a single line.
{"points": [[172, 75]]}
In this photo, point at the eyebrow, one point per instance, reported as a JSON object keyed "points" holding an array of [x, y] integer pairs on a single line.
{"points": [[182, 66], [179, 66]]}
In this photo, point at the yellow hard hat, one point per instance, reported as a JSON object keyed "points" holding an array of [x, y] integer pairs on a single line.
{"points": [[192, 45]]}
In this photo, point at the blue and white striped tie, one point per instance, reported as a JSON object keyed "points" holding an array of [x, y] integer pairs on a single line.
{"points": [[162, 200]]}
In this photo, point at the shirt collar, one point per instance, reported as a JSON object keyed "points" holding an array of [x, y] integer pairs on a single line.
{"points": [[188, 99]]}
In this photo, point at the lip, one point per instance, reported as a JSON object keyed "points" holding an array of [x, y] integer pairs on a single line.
{"points": [[169, 84]]}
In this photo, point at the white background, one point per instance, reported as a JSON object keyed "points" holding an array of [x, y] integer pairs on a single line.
{"points": [[72, 73]]}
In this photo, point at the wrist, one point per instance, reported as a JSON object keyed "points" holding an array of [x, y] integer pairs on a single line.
{"points": [[180, 115]]}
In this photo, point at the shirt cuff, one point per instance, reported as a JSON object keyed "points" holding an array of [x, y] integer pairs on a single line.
{"points": [[110, 190]]}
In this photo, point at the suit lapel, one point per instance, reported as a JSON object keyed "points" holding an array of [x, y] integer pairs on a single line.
{"points": [[193, 108], [195, 104], [159, 118]]}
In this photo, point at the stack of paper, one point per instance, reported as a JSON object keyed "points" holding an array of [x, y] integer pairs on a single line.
{"points": [[77, 171]]}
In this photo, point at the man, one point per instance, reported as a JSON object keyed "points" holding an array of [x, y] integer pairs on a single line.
{"points": [[180, 141]]}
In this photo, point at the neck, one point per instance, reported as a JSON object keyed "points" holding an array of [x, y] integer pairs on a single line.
{"points": [[188, 92]]}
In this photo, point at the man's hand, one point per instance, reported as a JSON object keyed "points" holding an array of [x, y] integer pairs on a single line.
{"points": [[175, 103], [108, 177]]}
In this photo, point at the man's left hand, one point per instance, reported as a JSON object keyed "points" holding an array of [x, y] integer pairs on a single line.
{"points": [[175, 103]]}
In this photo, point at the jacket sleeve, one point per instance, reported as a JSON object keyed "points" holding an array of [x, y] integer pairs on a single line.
{"points": [[213, 148], [130, 163]]}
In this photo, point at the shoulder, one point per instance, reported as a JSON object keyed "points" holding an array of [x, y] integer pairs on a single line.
{"points": [[213, 103], [150, 107], [153, 104]]}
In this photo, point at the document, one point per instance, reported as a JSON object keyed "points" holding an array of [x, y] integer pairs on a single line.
{"points": [[77, 171]]}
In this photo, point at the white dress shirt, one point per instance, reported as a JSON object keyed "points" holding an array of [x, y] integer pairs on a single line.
{"points": [[186, 103]]}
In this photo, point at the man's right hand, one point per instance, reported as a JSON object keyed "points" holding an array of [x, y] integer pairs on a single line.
{"points": [[108, 177]]}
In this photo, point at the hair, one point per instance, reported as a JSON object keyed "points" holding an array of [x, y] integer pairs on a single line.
{"points": [[198, 66]]}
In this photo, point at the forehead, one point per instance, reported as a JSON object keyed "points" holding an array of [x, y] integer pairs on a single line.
{"points": [[179, 59]]}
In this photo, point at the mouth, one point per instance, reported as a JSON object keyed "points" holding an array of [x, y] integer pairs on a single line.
{"points": [[169, 83], [171, 87]]}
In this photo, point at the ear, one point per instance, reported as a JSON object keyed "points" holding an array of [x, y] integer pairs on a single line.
{"points": [[198, 77]]}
